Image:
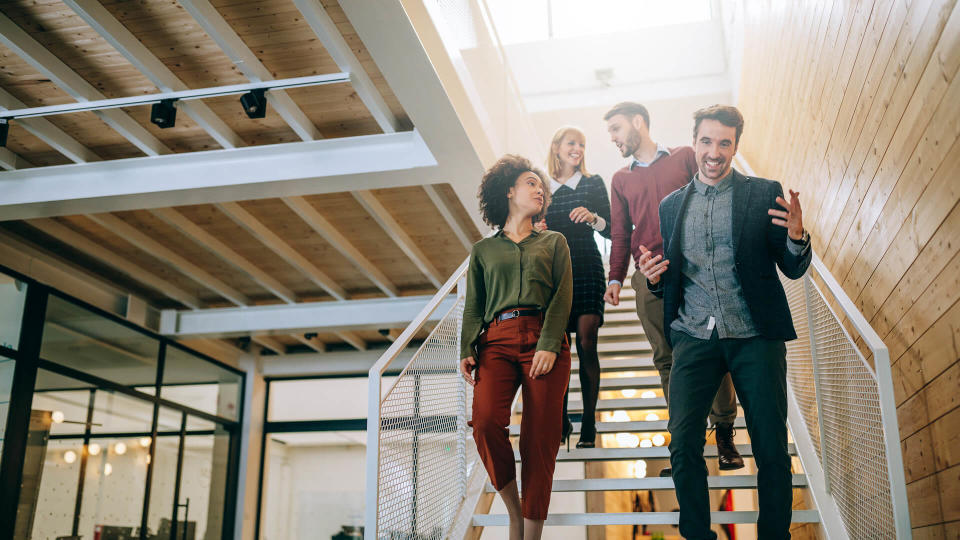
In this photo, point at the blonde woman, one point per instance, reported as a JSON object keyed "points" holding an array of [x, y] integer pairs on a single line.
{"points": [[579, 208]]}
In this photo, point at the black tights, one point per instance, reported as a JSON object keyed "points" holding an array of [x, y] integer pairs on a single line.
{"points": [[587, 327]]}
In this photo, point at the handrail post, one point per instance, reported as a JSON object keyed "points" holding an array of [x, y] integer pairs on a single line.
{"points": [[373, 455], [811, 331], [891, 440], [462, 400]]}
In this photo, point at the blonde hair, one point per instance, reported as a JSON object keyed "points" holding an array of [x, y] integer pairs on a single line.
{"points": [[553, 162]]}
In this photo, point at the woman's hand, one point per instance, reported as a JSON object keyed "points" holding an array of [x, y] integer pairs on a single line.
{"points": [[542, 363], [467, 366], [582, 215], [541, 225]]}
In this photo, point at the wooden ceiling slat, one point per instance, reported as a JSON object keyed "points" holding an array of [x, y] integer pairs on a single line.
{"points": [[282, 248], [155, 248], [34, 52], [209, 241], [386, 221], [97, 250], [324, 228]]}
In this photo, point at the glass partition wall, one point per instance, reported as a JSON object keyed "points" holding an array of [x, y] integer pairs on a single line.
{"points": [[120, 433]]}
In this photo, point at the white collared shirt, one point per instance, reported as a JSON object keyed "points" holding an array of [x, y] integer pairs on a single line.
{"points": [[661, 151], [571, 183]]}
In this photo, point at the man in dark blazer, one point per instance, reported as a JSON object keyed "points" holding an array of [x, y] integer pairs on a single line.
{"points": [[724, 236]]}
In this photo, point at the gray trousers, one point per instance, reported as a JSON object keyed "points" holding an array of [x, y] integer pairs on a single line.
{"points": [[650, 312]]}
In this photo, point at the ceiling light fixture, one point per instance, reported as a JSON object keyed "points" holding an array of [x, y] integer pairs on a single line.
{"points": [[164, 114], [255, 103], [180, 95]]}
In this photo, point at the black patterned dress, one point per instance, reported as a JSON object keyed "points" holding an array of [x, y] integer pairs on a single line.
{"points": [[588, 275]]}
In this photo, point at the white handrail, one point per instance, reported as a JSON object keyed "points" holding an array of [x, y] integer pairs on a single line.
{"points": [[818, 472], [374, 398]]}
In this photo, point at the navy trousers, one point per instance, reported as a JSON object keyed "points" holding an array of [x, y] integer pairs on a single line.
{"points": [[759, 371]]}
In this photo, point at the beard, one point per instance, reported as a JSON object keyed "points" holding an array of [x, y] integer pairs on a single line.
{"points": [[632, 143]]}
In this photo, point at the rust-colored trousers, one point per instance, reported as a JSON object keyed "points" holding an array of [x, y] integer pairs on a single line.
{"points": [[506, 351]]}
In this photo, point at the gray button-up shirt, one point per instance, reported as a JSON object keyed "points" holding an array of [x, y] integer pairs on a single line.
{"points": [[712, 296]]}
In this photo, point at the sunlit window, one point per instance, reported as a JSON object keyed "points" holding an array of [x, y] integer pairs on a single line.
{"points": [[524, 21]]}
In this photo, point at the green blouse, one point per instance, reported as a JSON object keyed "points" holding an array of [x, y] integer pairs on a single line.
{"points": [[504, 274]]}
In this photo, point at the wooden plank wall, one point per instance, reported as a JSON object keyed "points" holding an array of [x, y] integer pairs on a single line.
{"points": [[857, 106]]}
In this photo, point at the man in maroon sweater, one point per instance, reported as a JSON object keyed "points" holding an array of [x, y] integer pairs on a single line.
{"points": [[637, 189]]}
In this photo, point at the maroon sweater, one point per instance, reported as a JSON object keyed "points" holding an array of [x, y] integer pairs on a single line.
{"points": [[635, 205]]}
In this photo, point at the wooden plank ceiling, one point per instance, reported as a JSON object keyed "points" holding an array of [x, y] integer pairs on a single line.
{"points": [[256, 252]]}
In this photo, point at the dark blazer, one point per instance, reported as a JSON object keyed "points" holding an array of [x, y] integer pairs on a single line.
{"points": [[760, 248]]}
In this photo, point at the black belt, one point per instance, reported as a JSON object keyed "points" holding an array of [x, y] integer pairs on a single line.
{"points": [[519, 312]]}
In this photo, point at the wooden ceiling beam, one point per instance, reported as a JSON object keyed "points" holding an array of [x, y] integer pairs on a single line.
{"points": [[324, 228], [93, 249], [206, 240], [269, 343], [12, 161], [326, 30], [353, 339], [247, 62], [121, 39], [150, 246], [276, 244], [447, 214], [31, 51], [393, 229], [313, 342], [49, 133]]}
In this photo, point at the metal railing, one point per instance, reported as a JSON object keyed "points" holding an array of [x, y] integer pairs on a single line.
{"points": [[843, 415], [418, 459]]}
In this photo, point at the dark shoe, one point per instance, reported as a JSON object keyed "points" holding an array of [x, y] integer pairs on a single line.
{"points": [[588, 436], [727, 454], [567, 430], [666, 472]]}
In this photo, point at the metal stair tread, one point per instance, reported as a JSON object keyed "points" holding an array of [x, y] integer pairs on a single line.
{"points": [[624, 404], [730, 481], [640, 518], [621, 383], [627, 363], [629, 427], [655, 452]]}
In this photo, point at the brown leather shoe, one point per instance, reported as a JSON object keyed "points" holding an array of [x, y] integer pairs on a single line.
{"points": [[727, 454]]}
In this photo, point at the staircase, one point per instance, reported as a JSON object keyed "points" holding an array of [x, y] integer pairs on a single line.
{"points": [[425, 481], [627, 370]]}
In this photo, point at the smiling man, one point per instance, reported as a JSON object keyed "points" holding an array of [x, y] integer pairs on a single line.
{"points": [[637, 189], [724, 236]]}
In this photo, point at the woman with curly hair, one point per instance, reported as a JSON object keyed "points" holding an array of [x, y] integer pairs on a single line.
{"points": [[579, 207], [519, 289]]}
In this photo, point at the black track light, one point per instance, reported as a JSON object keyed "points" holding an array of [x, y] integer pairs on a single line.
{"points": [[4, 131], [255, 103], [164, 114]]}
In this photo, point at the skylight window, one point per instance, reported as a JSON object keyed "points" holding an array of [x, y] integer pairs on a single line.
{"points": [[524, 21]]}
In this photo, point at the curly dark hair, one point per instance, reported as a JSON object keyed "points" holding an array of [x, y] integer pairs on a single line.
{"points": [[496, 183]]}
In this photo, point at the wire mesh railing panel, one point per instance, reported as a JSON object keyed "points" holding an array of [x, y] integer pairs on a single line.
{"points": [[422, 455], [853, 447], [800, 361]]}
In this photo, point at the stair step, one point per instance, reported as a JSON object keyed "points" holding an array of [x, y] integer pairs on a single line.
{"points": [[629, 427], [656, 452], [624, 404], [640, 518], [621, 383], [621, 347], [625, 306], [619, 317], [735, 481], [626, 363], [621, 331]]}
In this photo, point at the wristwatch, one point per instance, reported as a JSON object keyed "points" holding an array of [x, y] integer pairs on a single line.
{"points": [[804, 240]]}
